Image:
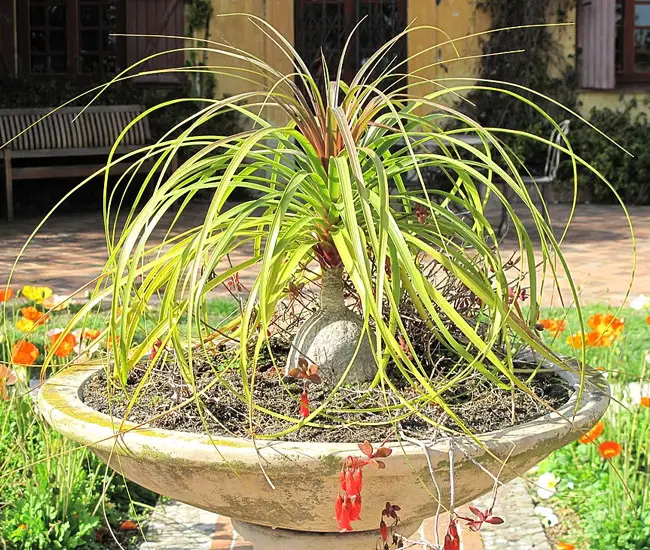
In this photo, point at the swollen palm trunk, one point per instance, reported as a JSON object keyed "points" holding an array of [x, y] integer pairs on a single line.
{"points": [[330, 338]]}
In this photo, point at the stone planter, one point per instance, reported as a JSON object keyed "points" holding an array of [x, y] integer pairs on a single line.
{"points": [[226, 475]]}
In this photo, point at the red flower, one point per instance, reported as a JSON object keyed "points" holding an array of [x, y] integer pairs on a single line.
{"points": [[383, 530], [609, 449], [452, 540], [645, 401], [344, 513], [304, 404]]}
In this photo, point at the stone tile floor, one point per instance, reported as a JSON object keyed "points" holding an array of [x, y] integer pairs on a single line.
{"points": [[69, 251]]}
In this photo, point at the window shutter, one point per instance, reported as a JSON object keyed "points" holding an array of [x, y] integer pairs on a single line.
{"points": [[597, 43], [155, 17]]}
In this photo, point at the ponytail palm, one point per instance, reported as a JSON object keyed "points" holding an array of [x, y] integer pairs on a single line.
{"points": [[340, 202]]}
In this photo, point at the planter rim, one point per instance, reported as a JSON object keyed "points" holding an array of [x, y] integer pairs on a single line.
{"points": [[60, 402]]}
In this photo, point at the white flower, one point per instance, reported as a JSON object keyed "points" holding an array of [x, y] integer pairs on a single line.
{"points": [[547, 515], [570, 485], [640, 302], [546, 485]]}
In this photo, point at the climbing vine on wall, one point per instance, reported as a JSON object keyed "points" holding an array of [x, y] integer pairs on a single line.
{"points": [[199, 15], [542, 66]]}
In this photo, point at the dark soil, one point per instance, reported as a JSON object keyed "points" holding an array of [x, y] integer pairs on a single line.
{"points": [[478, 403]]}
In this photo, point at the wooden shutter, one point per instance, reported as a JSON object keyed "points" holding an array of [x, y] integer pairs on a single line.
{"points": [[155, 17], [597, 43]]}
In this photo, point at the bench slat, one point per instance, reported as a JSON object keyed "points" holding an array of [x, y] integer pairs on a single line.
{"points": [[71, 152], [96, 127]]}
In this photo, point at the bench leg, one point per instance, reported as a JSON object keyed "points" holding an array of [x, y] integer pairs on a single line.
{"points": [[9, 185]]}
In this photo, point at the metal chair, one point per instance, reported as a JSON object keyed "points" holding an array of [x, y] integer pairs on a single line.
{"points": [[550, 171]]}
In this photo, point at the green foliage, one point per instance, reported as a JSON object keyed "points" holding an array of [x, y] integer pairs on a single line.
{"points": [[628, 174], [611, 498], [331, 188], [51, 489]]}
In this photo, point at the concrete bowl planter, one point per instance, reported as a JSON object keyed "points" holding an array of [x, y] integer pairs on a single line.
{"points": [[226, 475]]}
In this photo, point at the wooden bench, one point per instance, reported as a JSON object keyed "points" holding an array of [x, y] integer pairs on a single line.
{"points": [[60, 137]]}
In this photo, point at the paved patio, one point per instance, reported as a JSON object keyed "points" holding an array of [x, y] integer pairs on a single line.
{"points": [[69, 251]]}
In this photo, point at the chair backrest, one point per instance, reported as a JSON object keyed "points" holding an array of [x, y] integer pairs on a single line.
{"points": [[553, 154], [96, 127]]}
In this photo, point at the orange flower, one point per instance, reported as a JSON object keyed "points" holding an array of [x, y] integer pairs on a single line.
{"points": [[609, 449], [7, 378], [6, 294], [608, 326], [64, 346], [24, 353], [565, 546], [128, 525], [593, 434], [645, 401], [33, 314], [91, 333], [592, 339], [647, 319], [554, 326]]}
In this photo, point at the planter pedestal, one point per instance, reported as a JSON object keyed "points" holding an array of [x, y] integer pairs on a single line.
{"points": [[267, 538]]}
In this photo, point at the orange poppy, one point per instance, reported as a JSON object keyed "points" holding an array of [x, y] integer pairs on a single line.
{"points": [[64, 346], [554, 326], [645, 401], [6, 294], [33, 314], [91, 333], [592, 339], [128, 525], [609, 449], [565, 546], [608, 326], [24, 353], [593, 434]]}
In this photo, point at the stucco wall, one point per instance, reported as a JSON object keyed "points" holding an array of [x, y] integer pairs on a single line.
{"points": [[432, 55]]}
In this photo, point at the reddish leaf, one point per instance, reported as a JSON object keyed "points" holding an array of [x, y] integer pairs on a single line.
{"points": [[366, 448], [477, 513], [294, 373], [302, 363], [494, 520], [382, 452], [101, 534], [314, 378], [377, 464], [128, 525]]}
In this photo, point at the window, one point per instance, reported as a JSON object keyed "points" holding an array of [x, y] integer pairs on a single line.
{"points": [[69, 37], [633, 41], [327, 24]]}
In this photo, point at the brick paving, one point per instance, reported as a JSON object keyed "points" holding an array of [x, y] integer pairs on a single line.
{"points": [[69, 251]]}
